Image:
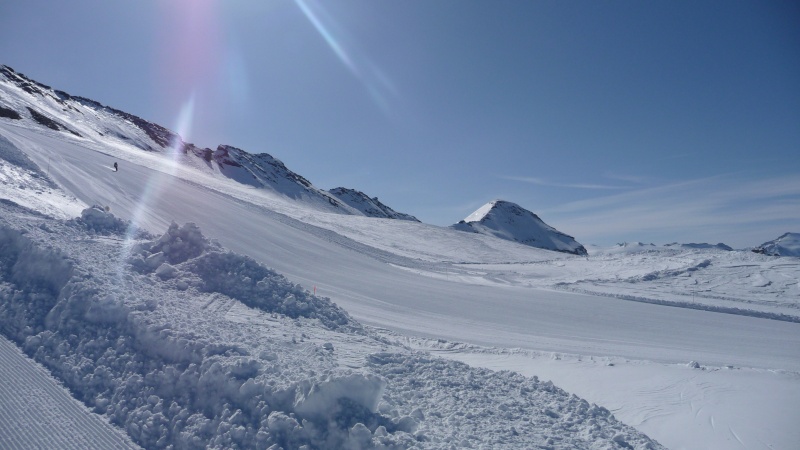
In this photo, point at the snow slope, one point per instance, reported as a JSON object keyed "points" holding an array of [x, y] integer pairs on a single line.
{"points": [[28, 102], [786, 245], [508, 220], [441, 286]]}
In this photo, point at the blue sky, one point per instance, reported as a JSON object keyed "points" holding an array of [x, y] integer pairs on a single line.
{"points": [[614, 121]]}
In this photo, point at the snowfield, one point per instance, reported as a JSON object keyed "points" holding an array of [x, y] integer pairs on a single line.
{"points": [[193, 310], [182, 343]]}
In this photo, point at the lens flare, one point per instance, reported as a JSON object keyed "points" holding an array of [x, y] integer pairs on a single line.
{"points": [[161, 178], [377, 84]]}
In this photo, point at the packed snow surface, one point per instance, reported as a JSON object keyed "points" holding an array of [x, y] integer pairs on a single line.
{"points": [[510, 221], [697, 347]]}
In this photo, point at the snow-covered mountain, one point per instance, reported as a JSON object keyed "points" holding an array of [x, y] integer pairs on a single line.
{"points": [[371, 207], [510, 221], [786, 245], [27, 101]]}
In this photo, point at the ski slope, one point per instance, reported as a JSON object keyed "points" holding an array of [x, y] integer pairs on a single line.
{"points": [[411, 279]]}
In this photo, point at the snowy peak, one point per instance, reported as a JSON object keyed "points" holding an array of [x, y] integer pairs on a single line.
{"points": [[510, 221], [786, 245], [370, 207]]}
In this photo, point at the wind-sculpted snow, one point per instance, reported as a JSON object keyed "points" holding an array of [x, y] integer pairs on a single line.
{"points": [[169, 357]]}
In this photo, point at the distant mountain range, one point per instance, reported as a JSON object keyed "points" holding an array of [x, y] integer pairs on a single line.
{"points": [[510, 221]]}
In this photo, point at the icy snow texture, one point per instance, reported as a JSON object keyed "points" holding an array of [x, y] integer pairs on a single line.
{"points": [[508, 220]]}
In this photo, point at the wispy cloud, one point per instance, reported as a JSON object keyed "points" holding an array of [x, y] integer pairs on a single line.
{"points": [[543, 182], [714, 208], [637, 179]]}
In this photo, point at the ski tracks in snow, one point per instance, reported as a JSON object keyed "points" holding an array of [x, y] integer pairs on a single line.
{"points": [[36, 412]]}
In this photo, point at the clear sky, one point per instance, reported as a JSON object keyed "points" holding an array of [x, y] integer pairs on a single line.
{"points": [[653, 121]]}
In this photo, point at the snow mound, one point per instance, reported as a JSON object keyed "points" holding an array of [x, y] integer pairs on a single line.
{"points": [[509, 221], [184, 255], [100, 220], [786, 245], [370, 207]]}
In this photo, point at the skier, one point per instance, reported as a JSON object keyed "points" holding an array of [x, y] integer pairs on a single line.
{"points": [[116, 168]]}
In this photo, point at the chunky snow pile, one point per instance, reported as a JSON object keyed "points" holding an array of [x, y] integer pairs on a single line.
{"points": [[189, 260], [477, 407], [370, 207], [156, 334], [786, 245], [100, 220], [509, 221]]}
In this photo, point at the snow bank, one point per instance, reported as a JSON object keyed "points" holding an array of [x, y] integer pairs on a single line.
{"points": [[100, 220]]}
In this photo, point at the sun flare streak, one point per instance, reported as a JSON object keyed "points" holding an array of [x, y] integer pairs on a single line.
{"points": [[377, 83], [160, 180]]}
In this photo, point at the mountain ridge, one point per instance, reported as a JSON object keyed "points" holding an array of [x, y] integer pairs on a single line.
{"points": [[84, 118]]}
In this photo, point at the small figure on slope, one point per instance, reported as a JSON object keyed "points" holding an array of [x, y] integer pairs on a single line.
{"points": [[116, 168]]}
